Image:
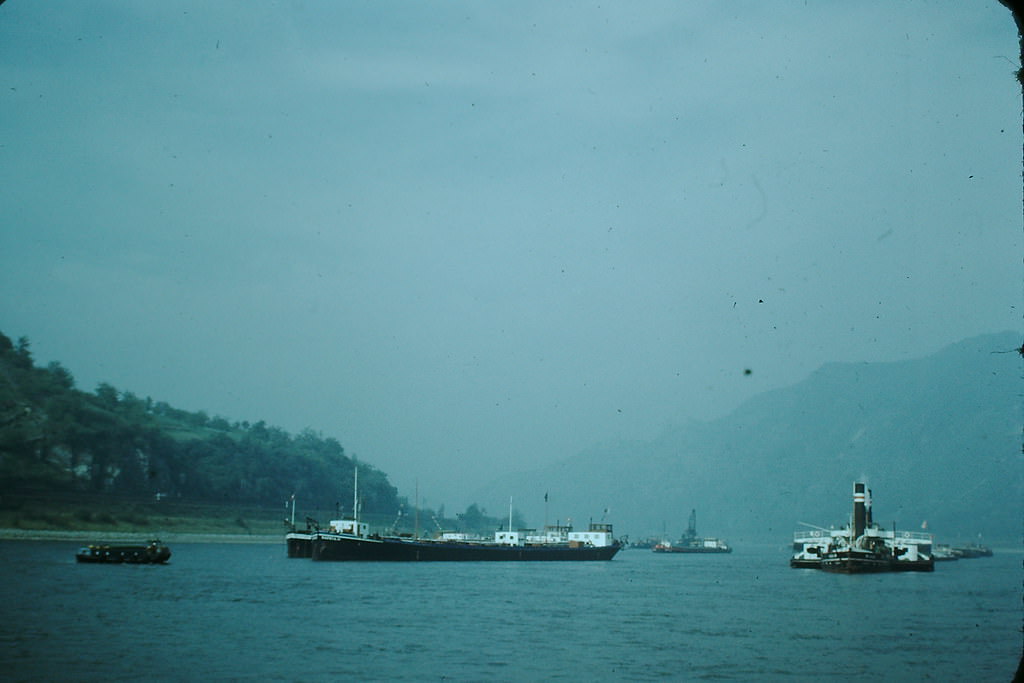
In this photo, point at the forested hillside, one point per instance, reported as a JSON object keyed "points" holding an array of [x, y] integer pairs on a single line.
{"points": [[55, 438], [89, 453]]}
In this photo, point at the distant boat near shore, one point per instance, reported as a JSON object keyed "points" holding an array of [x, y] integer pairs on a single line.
{"points": [[153, 552], [692, 543], [946, 552]]}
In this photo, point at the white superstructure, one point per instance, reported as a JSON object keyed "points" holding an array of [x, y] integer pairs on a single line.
{"points": [[598, 535], [902, 549]]}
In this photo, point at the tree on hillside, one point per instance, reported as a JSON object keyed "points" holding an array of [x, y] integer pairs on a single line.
{"points": [[107, 395]]}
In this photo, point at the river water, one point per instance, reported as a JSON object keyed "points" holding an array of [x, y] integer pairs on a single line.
{"points": [[247, 612]]}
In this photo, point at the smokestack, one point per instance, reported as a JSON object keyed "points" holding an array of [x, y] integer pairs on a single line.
{"points": [[859, 509], [867, 503]]}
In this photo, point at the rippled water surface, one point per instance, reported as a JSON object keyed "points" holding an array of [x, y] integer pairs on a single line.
{"points": [[246, 612]]}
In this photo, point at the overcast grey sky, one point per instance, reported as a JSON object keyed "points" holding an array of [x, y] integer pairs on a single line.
{"points": [[468, 238]]}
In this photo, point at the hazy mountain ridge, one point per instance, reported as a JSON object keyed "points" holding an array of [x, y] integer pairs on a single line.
{"points": [[938, 439]]}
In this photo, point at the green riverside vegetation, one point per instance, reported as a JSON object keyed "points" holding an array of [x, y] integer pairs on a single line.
{"points": [[113, 461]]}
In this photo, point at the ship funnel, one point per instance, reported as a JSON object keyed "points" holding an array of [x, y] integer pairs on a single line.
{"points": [[859, 510], [867, 504]]}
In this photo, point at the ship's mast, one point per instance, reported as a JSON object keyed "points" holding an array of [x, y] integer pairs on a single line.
{"points": [[355, 493]]}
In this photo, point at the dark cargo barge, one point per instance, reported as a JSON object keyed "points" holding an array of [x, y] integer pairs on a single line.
{"points": [[350, 540], [154, 552], [351, 543]]}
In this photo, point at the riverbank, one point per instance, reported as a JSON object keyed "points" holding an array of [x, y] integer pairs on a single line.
{"points": [[88, 518], [134, 536]]}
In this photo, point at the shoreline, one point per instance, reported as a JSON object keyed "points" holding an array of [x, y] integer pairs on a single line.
{"points": [[133, 536]]}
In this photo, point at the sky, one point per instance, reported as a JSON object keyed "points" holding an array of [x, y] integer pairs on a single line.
{"points": [[468, 239]]}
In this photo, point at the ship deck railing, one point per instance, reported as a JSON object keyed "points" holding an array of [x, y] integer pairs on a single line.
{"points": [[811, 535], [915, 537]]}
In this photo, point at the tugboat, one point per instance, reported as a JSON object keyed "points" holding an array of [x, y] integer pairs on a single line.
{"points": [[863, 546], [154, 552], [691, 543]]}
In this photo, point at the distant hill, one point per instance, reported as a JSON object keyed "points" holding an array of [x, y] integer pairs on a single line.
{"points": [[58, 442], [937, 439], [87, 453]]}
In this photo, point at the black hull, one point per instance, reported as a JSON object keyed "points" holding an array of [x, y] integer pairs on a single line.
{"points": [[919, 566], [347, 549], [855, 566], [846, 563], [299, 545], [805, 564], [140, 554]]}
